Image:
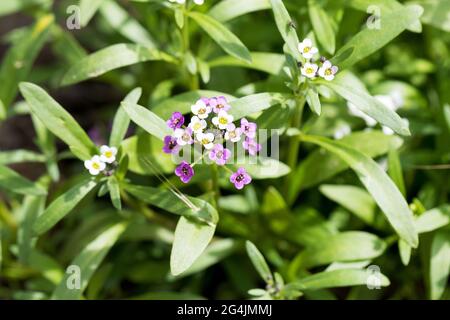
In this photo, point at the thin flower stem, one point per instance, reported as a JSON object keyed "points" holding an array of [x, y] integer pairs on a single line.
{"points": [[215, 183]]}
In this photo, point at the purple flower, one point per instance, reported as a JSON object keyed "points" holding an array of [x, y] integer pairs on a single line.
{"points": [[176, 120], [219, 154], [240, 178], [248, 128], [219, 103], [252, 146], [184, 171], [170, 145]]}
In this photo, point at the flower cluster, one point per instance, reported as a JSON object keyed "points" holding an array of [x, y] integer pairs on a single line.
{"points": [[98, 163], [211, 126], [198, 2], [312, 70]]}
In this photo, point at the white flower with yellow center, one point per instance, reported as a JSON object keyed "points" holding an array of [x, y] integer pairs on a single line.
{"points": [[197, 125], [206, 139], [200, 109], [306, 49], [233, 134], [222, 120], [108, 154], [95, 165], [327, 71], [309, 70]]}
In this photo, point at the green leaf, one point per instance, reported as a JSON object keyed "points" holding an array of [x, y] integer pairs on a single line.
{"points": [[436, 13], [264, 168], [88, 260], [271, 63], [12, 6], [284, 25], [351, 89], [229, 9], [87, 9], [312, 97], [372, 39], [147, 120], [255, 103], [376, 181], [258, 261], [337, 278], [62, 205], [125, 24], [46, 265], [57, 120], [320, 166], [19, 60], [222, 36], [19, 155], [405, 251], [439, 264], [183, 102], [322, 26], [191, 239], [11, 180], [114, 191], [121, 119], [342, 247], [354, 199], [170, 200], [433, 219], [110, 58], [395, 170]]}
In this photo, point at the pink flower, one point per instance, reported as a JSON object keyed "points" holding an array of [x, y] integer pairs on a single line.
{"points": [[240, 178], [219, 154], [248, 128], [218, 104], [252, 146], [176, 120]]}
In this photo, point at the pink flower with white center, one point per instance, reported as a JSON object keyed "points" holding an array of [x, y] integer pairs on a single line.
{"points": [[222, 120], [206, 139], [184, 136], [201, 109], [219, 103], [252, 146], [306, 48], [219, 154], [309, 70], [327, 71], [233, 134], [248, 128], [240, 178]]}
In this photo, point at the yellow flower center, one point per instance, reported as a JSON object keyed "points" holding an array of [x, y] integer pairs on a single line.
{"points": [[328, 72], [309, 70], [223, 120], [96, 166], [201, 111], [205, 141], [197, 126], [306, 49], [232, 134], [108, 154]]}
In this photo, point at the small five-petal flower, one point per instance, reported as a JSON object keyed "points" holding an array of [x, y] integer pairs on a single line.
{"points": [[95, 165], [206, 139], [222, 120], [176, 120], [306, 49], [327, 70], [108, 154], [201, 109], [184, 171], [197, 125], [309, 70], [170, 145], [184, 136]]}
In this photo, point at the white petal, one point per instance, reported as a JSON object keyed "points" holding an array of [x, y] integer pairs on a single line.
{"points": [[114, 150], [88, 164], [301, 47], [178, 133], [327, 64], [104, 149], [215, 121], [307, 42], [94, 172]]}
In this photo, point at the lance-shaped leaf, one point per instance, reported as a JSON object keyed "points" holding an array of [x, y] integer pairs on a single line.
{"points": [[285, 27], [87, 261], [110, 58], [322, 26], [255, 103], [147, 120], [57, 120], [263, 167], [11, 180], [19, 59], [379, 185], [229, 9], [222, 36], [312, 97], [337, 278], [347, 86], [258, 261], [62, 205], [87, 9], [372, 38], [20, 155], [439, 264], [271, 63]]}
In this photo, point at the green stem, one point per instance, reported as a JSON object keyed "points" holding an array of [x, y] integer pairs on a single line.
{"points": [[215, 183]]}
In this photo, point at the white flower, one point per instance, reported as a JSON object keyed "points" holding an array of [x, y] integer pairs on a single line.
{"points": [[222, 120], [327, 71], [206, 139], [108, 154], [199, 2], [197, 125], [95, 165], [233, 133], [306, 49], [342, 131], [184, 136], [200, 109], [309, 70]]}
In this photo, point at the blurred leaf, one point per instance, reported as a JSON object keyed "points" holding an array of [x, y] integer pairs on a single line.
{"points": [[395, 170], [272, 63], [12, 6], [376, 181], [258, 261], [222, 36], [110, 58], [405, 251], [11, 180], [433, 219], [312, 97], [121, 120], [439, 263], [46, 265], [57, 120], [264, 168], [62, 205], [114, 191], [229, 9], [322, 26], [88, 8], [255, 103], [436, 13], [88, 260], [19, 155]]}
